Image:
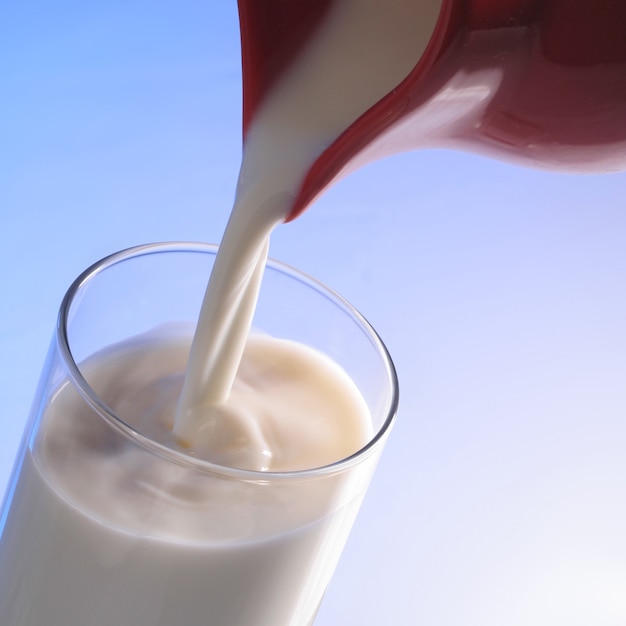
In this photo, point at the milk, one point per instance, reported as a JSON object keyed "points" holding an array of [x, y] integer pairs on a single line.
{"points": [[105, 528], [325, 89], [77, 570], [101, 532]]}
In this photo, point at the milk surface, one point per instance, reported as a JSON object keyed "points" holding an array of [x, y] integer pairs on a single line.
{"points": [[103, 532]]}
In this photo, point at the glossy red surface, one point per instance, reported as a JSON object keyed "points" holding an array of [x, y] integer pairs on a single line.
{"points": [[539, 82]]}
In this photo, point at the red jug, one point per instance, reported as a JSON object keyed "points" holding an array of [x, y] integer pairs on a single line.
{"points": [[539, 82]]}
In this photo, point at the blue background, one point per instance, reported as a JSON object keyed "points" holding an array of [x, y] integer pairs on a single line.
{"points": [[498, 290]]}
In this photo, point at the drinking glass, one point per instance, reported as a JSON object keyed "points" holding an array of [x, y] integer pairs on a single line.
{"points": [[102, 525]]}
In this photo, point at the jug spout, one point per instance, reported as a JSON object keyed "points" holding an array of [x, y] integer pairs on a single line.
{"points": [[539, 82]]}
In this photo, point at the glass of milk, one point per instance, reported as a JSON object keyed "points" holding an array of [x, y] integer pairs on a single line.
{"points": [[109, 519]]}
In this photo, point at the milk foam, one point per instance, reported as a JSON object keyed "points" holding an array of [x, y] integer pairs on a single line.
{"points": [[290, 407]]}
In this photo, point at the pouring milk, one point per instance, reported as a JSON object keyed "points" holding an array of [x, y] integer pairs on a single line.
{"points": [[345, 81], [102, 533], [327, 88], [332, 84]]}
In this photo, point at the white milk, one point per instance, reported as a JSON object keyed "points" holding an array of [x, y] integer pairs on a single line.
{"points": [[135, 544], [360, 53], [102, 532]]}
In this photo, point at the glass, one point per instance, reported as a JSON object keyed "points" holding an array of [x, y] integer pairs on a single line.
{"points": [[102, 525]]}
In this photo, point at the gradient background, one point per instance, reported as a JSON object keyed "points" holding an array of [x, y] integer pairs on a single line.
{"points": [[498, 290]]}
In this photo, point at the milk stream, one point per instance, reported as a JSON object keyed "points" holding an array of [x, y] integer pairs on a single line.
{"points": [[362, 50]]}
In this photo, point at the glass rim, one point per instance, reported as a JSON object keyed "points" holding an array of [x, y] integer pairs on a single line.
{"points": [[179, 457]]}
